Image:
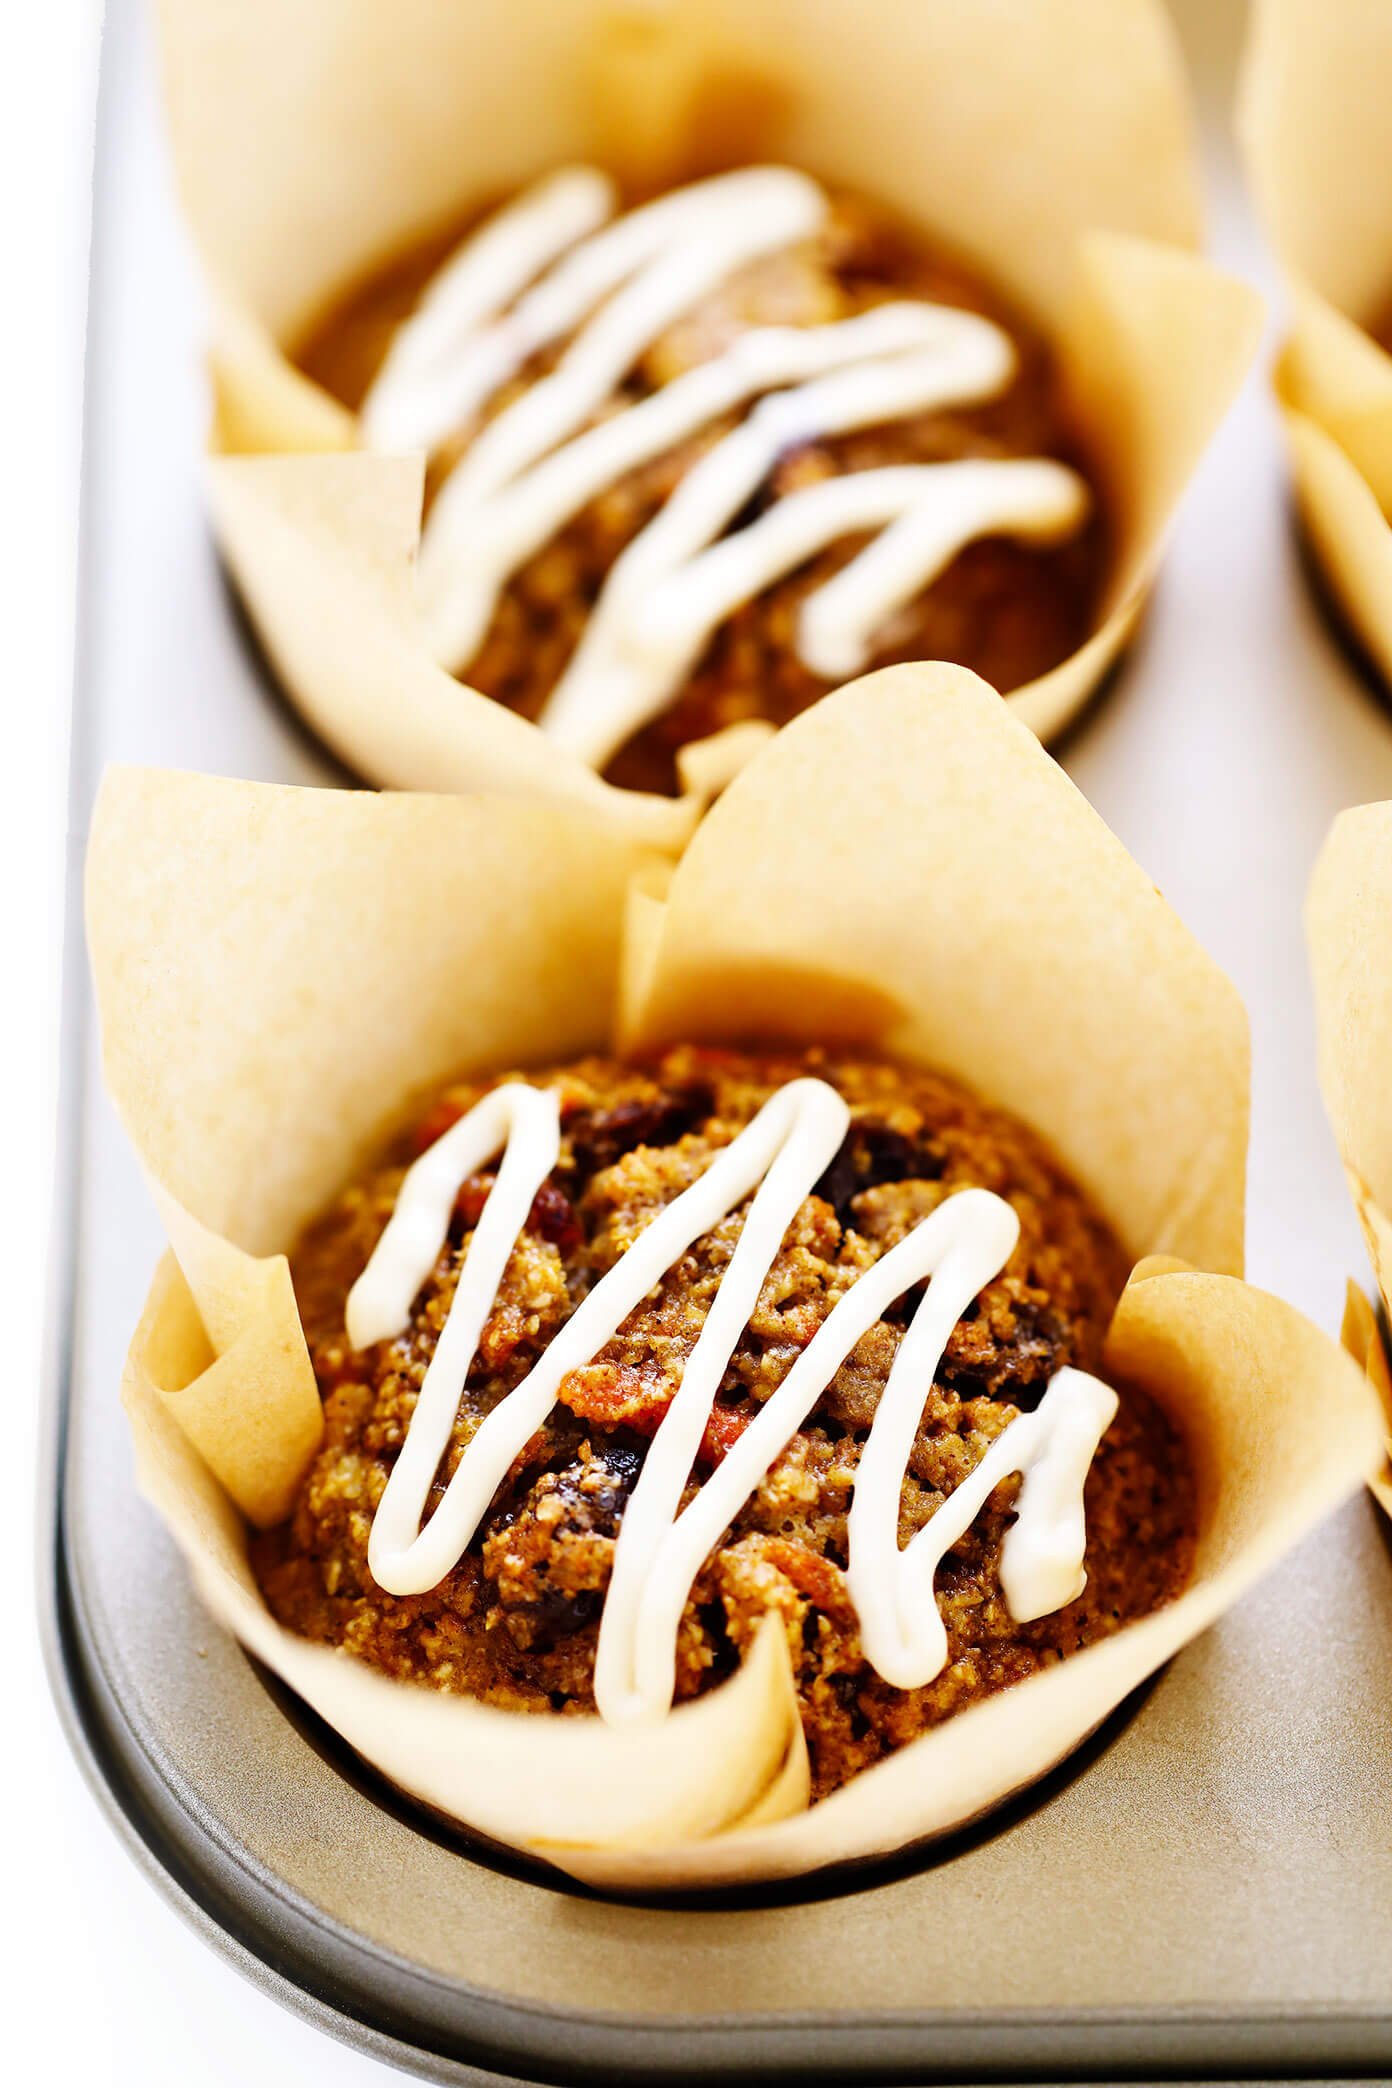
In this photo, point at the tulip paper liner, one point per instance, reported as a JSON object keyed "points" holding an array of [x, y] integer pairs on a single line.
{"points": [[1312, 116], [1349, 922], [1050, 146], [281, 973]]}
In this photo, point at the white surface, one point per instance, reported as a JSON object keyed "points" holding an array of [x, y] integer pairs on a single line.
{"points": [[1273, 755], [103, 1983]]}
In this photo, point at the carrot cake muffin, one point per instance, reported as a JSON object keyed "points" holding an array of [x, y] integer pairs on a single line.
{"points": [[698, 461], [543, 1485]]}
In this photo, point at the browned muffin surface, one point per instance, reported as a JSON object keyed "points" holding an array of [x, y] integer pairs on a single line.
{"points": [[1010, 611], [517, 1621]]}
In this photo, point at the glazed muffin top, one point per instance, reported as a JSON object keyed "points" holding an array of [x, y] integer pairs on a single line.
{"points": [[515, 1617], [657, 439]]}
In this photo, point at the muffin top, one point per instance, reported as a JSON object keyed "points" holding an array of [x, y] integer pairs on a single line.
{"points": [[657, 438], [515, 1618]]}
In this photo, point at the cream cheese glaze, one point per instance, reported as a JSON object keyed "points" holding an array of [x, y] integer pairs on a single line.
{"points": [[615, 287], [777, 1159]]}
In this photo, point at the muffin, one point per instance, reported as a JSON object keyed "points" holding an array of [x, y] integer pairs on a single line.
{"points": [[692, 463], [803, 177], [518, 1614], [863, 1005]]}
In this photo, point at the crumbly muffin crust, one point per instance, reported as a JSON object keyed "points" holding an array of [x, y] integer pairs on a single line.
{"points": [[516, 1622], [1009, 610]]}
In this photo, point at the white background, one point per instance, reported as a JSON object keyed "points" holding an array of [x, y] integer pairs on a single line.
{"points": [[108, 1986]]}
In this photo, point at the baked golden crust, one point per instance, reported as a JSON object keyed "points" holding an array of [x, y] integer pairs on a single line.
{"points": [[516, 1622], [1009, 610]]}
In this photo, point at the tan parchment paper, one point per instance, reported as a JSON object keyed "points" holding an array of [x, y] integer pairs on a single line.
{"points": [[1349, 924], [1313, 118], [1050, 145], [280, 973]]}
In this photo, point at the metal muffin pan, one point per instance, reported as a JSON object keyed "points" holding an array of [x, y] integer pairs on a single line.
{"points": [[1205, 1890]]}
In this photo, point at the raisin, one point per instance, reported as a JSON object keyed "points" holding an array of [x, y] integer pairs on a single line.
{"points": [[598, 1138], [553, 1218], [871, 1154]]}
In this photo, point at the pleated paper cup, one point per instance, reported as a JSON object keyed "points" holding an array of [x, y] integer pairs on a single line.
{"points": [[282, 974], [1050, 145], [1312, 115], [1349, 926]]}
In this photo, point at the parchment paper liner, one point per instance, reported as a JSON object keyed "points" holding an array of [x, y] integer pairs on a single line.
{"points": [[1051, 146], [1348, 918], [1312, 116], [279, 970]]}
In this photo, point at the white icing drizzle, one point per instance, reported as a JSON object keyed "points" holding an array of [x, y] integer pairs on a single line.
{"points": [[525, 1123], [909, 357], [673, 585], [652, 264], [1041, 1566], [428, 383], [536, 464], [776, 1160], [741, 217]]}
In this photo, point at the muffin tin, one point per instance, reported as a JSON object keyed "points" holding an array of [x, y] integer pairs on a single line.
{"points": [[1208, 1888]]}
